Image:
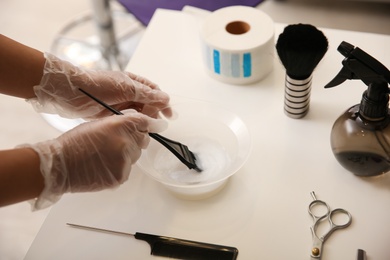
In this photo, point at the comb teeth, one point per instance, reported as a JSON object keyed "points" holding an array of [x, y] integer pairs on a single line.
{"points": [[191, 252], [187, 249]]}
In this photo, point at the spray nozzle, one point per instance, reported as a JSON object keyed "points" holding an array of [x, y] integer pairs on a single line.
{"points": [[360, 65], [345, 48]]}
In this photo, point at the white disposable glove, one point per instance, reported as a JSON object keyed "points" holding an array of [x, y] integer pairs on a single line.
{"points": [[94, 155], [58, 91]]}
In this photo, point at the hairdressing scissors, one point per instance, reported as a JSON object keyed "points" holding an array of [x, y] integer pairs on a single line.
{"points": [[320, 212]]}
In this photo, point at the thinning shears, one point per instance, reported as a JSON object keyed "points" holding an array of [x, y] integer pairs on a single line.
{"points": [[320, 212]]}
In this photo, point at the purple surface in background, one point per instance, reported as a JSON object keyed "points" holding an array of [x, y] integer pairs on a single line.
{"points": [[144, 9]]}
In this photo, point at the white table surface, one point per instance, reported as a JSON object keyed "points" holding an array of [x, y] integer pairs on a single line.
{"points": [[263, 209]]}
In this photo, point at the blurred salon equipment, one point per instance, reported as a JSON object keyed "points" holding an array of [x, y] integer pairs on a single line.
{"points": [[106, 36], [103, 38]]}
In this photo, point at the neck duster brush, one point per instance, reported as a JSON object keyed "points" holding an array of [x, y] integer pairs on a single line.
{"points": [[300, 48]]}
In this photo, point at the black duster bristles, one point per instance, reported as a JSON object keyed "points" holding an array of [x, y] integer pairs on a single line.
{"points": [[300, 48]]}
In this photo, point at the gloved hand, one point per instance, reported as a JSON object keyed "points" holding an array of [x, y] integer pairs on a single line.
{"points": [[94, 155], [58, 91]]}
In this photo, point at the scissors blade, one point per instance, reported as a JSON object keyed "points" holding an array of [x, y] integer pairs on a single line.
{"points": [[317, 245]]}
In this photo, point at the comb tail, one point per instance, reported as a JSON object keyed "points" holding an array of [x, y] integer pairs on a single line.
{"points": [[186, 249]]}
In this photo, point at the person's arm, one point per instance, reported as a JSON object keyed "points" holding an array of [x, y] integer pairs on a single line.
{"points": [[93, 156], [51, 85], [20, 176], [21, 68]]}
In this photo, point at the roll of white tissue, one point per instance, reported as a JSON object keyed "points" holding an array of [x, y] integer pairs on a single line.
{"points": [[238, 44]]}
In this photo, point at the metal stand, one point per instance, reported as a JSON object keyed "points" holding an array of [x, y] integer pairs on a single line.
{"points": [[103, 38]]}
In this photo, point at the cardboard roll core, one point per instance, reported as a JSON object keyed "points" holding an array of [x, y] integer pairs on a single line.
{"points": [[238, 27]]}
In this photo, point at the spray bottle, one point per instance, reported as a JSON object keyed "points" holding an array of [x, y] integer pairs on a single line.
{"points": [[360, 137]]}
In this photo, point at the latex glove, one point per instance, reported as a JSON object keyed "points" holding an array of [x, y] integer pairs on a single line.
{"points": [[58, 91], [94, 155]]}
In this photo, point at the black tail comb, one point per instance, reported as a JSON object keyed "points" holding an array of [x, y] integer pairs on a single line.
{"points": [[175, 247]]}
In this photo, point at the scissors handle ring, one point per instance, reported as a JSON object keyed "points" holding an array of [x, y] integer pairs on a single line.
{"points": [[343, 211], [321, 203]]}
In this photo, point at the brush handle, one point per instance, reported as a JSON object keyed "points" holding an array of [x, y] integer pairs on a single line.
{"points": [[116, 112], [297, 96], [186, 249]]}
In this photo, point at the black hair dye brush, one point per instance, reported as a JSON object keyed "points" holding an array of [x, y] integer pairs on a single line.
{"points": [[180, 150], [300, 48]]}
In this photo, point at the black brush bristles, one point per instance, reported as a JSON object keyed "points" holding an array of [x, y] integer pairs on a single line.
{"points": [[300, 48]]}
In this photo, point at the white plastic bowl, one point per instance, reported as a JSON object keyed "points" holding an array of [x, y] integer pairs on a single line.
{"points": [[219, 139]]}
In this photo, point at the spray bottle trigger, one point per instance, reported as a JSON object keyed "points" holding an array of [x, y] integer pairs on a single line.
{"points": [[342, 76]]}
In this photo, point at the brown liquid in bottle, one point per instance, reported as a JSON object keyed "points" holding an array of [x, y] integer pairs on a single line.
{"points": [[363, 163]]}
